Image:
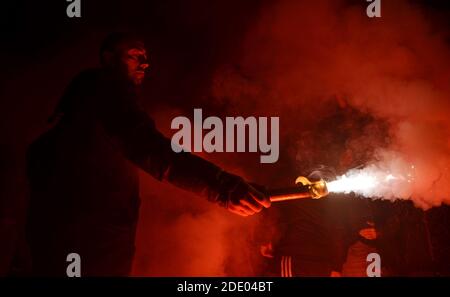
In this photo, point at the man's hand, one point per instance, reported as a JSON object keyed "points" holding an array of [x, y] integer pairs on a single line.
{"points": [[335, 274], [266, 250], [246, 200], [368, 233]]}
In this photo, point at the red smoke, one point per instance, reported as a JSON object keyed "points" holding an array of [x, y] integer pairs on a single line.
{"points": [[301, 61]]}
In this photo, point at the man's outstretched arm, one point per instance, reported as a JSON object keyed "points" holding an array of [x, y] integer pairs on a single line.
{"points": [[135, 134]]}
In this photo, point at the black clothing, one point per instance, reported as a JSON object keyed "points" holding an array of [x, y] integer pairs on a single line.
{"points": [[84, 183]]}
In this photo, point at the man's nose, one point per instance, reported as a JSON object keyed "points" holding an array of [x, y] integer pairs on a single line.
{"points": [[144, 66]]}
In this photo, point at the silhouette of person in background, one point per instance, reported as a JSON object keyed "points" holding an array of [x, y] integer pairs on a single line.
{"points": [[313, 236]]}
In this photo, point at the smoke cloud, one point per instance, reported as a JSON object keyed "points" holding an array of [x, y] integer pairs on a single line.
{"points": [[350, 92], [303, 60]]}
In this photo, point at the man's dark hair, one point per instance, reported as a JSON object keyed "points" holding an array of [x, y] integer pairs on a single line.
{"points": [[119, 41]]}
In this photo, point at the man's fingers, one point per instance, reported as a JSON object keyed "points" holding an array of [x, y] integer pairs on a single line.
{"points": [[252, 203], [246, 200], [246, 209], [237, 212], [262, 199], [240, 209]]}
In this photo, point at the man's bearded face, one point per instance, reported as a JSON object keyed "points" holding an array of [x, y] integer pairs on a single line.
{"points": [[135, 62]]}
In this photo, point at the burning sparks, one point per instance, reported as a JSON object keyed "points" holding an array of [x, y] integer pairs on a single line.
{"points": [[371, 182], [359, 183], [381, 180]]}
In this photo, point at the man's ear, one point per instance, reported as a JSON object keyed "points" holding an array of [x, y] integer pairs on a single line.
{"points": [[107, 58]]}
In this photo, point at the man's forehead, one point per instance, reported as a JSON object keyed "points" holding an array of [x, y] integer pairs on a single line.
{"points": [[137, 51]]}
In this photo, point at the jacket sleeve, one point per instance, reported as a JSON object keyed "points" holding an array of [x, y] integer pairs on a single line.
{"points": [[134, 133]]}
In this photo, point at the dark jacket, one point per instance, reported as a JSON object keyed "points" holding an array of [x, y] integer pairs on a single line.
{"points": [[84, 182]]}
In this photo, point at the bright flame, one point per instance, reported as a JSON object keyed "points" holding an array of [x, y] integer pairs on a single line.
{"points": [[359, 184], [373, 181]]}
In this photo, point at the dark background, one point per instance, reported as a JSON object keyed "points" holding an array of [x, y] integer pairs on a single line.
{"points": [[41, 49]]}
